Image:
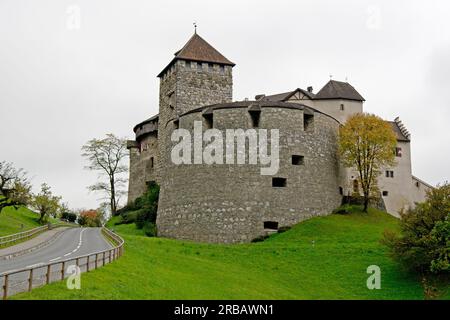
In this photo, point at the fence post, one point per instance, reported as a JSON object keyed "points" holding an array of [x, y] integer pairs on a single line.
{"points": [[96, 260], [88, 261], [5, 287], [63, 270], [48, 274], [104, 255], [30, 281]]}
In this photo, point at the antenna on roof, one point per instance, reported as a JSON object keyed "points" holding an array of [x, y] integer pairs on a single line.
{"points": [[195, 27]]}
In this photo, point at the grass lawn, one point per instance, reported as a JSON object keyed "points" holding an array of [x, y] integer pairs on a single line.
{"points": [[11, 220], [285, 266]]}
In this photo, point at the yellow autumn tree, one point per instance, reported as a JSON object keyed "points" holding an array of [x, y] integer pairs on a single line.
{"points": [[367, 143]]}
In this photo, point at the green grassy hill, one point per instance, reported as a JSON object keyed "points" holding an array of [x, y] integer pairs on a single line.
{"points": [[285, 266], [11, 220]]}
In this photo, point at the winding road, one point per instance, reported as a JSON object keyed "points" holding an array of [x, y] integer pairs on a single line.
{"points": [[71, 243]]}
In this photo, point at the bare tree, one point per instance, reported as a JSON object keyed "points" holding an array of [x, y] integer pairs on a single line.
{"points": [[15, 189], [107, 156]]}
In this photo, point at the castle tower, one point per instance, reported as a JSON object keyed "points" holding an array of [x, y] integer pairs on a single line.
{"points": [[198, 75]]}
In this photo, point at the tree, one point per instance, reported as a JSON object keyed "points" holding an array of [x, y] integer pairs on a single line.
{"points": [[15, 190], [367, 143], [89, 218], [424, 241], [107, 156], [46, 203]]}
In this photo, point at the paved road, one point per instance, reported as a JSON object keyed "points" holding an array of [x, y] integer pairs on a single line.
{"points": [[71, 243]]}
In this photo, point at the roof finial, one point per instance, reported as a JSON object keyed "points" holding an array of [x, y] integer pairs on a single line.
{"points": [[195, 27], [331, 77]]}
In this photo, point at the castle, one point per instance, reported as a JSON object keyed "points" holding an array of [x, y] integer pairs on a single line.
{"points": [[235, 203]]}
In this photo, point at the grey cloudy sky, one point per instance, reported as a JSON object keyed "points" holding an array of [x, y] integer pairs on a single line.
{"points": [[61, 86]]}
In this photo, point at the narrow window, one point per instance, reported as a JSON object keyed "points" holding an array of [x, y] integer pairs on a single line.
{"points": [[308, 120], [342, 107], [298, 160], [279, 182], [176, 124], [385, 193], [255, 115], [209, 120], [151, 162], [417, 184], [199, 66], [271, 225], [341, 191], [171, 100], [398, 152]]}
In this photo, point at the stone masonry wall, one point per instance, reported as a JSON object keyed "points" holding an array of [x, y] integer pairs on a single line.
{"points": [[229, 203]]}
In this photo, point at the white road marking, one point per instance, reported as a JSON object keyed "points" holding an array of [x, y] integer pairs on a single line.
{"points": [[74, 250]]}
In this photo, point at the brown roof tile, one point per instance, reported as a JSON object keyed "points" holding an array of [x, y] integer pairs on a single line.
{"points": [[197, 49], [338, 90]]}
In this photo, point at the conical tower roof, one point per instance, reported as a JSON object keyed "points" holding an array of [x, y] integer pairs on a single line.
{"points": [[197, 49]]}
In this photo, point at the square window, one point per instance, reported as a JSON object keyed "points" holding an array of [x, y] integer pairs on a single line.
{"points": [[272, 225], [298, 160], [385, 193], [308, 120], [279, 182]]}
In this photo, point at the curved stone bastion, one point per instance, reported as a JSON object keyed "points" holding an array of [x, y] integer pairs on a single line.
{"points": [[234, 202]]}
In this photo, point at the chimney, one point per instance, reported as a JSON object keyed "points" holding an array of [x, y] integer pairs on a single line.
{"points": [[310, 89]]}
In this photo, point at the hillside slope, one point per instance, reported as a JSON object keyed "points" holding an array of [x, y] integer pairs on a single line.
{"points": [[322, 258], [11, 220]]}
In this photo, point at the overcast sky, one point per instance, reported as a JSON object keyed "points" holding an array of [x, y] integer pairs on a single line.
{"points": [[74, 70]]}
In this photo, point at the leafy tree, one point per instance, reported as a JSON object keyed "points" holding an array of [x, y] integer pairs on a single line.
{"points": [[366, 142], [89, 218], [107, 156], [15, 190], [424, 242], [72, 217], [46, 203]]}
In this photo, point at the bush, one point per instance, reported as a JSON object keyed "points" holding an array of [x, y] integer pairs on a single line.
{"points": [[424, 243], [344, 209], [129, 217], [72, 217], [149, 229]]}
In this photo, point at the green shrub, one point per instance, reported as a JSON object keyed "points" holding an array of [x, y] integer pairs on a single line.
{"points": [[424, 243], [344, 209], [149, 229], [128, 217]]}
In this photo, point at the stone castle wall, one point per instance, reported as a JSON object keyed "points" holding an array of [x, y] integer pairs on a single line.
{"points": [[230, 203]]}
